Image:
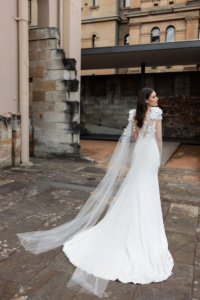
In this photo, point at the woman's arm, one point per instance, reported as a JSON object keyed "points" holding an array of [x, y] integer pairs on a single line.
{"points": [[159, 135], [135, 132]]}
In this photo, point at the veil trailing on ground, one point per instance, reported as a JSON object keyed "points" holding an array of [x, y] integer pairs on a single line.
{"points": [[104, 195]]}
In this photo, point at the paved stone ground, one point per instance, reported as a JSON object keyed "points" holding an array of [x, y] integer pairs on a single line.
{"points": [[52, 192]]}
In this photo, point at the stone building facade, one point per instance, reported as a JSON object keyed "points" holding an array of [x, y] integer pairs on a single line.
{"points": [[107, 99], [120, 22], [46, 99]]}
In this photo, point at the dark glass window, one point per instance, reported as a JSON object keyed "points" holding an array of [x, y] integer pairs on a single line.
{"points": [[155, 35], [93, 40], [126, 39]]}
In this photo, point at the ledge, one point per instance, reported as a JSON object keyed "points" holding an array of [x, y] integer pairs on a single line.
{"points": [[94, 7]]}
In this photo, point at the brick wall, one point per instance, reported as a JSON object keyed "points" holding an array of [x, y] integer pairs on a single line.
{"points": [[106, 100]]}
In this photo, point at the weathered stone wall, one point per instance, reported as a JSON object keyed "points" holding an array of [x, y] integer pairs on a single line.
{"points": [[55, 103], [16, 139], [10, 142], [106, 100]]}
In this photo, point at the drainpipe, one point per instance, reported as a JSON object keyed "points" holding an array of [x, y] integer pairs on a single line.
{"points": [[24, 78], [61, 22]]}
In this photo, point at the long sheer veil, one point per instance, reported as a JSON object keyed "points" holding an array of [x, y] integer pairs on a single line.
{"points": [[104, 194]]}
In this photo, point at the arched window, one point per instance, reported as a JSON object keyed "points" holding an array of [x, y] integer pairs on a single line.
{"points": [[126, 3], [155, 35], [94, 2], [93, 40], [170, 34], [126, 39]]}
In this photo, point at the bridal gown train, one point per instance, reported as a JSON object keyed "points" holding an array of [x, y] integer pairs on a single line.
{"points": [[129, 243]]}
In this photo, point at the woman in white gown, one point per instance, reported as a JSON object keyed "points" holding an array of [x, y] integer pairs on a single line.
{"points": [[129, 243]]}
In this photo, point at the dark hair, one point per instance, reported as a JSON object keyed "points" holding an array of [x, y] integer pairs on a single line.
{"points": [[144, 94]]}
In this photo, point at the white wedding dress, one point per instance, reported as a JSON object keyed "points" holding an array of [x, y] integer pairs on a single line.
{"points": [[129, 243]]}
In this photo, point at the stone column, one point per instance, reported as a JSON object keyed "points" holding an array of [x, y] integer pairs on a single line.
{"points": [[192, 27], [72, 38], [16, 139], [10, 140], [180, 34], [23, 79], [55, 115], [162, 36], [47, 13], [5, 141], [192, 32], [135, 5], [134, 33]]}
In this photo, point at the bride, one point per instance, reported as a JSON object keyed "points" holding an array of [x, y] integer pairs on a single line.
{"points": [[129, 243]]}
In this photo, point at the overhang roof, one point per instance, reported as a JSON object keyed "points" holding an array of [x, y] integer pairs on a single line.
{"points": [[152, 54]]}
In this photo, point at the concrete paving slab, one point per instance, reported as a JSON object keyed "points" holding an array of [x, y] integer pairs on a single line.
{"points": [[169, 149], [181, 242], [175, 287], [47, 284], [23, 266], [198, 250], [7, 289], [185, 210], [165, 208], [186, 156], [196, 287], [181, 224], [61, 264]]}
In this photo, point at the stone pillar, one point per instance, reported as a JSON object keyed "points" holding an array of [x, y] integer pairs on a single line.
{"points": [[192, 32], [134, 33], [135, 5], [180, 34], [72, 36], [47, 13], [55, 115], [10, 140], [192, 27], [5, 141], [162, 36], [16, 139], [23, 79]]}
